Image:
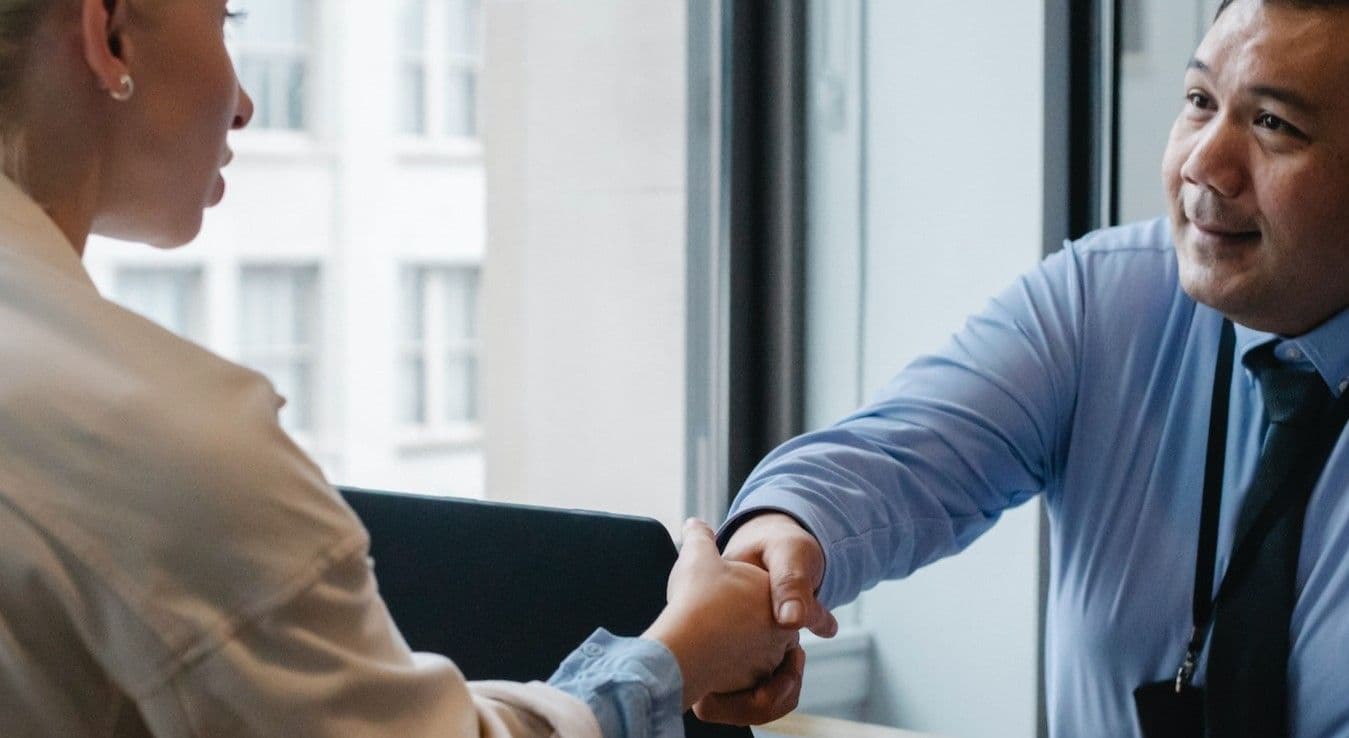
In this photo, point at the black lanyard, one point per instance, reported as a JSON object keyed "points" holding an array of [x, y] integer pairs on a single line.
{"points": [[1243, 550]]}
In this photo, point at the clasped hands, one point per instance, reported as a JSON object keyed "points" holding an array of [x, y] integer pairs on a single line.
{"points": [[733, 620]]}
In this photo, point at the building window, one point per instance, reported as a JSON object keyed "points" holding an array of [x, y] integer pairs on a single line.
{"points": [[438, 357], [170, 296], [273, 48], [439, 67], [279, 333]]}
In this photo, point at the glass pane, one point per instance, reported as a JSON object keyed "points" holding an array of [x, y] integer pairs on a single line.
{"points": [[473, 309], [462, 39], [461, 104], [254, 77], [259, 306], [412, 25], [573, 334], [271, 47], [169, 297], [412, 292], [295, 75], [273, 22], [275, 309], [1160, 36], [412, 391], [278, 320], [412, 98], [294, 381], [896, 260], [461, 379], [460, 305]]}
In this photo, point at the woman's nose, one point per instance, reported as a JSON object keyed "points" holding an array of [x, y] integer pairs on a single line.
{"points": [[244, 112]]}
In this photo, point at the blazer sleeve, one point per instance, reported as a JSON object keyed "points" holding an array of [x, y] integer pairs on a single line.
{"points": [[329, 663]]}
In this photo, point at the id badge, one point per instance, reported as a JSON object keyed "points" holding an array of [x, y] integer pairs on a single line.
{"points": [[1165, 713]]}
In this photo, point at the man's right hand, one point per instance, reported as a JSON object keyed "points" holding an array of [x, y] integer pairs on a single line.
{"points": [[794, 561]]}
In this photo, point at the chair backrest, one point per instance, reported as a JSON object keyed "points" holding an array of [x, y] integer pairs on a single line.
{"points": [[507, 591]]}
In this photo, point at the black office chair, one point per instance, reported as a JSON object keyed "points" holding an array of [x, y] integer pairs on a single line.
{"points": [[507, 591]]}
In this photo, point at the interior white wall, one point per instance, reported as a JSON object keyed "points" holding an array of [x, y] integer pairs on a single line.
{"points": [[584, 272], [953, 212]]}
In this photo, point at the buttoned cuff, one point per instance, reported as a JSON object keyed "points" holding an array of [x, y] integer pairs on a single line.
{"points": [[633, 685], [767, 500]]}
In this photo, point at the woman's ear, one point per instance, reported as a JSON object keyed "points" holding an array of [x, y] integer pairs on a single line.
{"points": [[102, 23]]}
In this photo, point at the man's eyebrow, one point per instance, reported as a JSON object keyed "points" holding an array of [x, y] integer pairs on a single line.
{"points": [[1283, 95]]}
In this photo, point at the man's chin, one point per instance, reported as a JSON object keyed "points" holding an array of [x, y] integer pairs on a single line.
{"points": [[1215, 285]]}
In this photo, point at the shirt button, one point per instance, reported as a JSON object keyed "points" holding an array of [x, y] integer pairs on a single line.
{"points": [[591, 650], [1292, 353], [1344, 386]]}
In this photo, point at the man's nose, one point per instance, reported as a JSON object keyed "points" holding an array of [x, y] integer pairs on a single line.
{"points": [[1218, 159]]}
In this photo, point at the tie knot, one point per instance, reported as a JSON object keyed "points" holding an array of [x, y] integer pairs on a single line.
{"points": [[1292, 396]]}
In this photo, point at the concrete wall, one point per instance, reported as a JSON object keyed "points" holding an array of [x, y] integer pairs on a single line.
{"points": [[584, 274]]}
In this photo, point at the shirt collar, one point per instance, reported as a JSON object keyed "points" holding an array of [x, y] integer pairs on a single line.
{"points": [[1325, 348], [26, 231]]}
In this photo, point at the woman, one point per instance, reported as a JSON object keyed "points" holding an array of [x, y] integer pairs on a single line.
{"points": [[170, 563]]}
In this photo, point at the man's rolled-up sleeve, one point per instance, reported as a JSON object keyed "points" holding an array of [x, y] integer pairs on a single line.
{"points": [[954, 440]]}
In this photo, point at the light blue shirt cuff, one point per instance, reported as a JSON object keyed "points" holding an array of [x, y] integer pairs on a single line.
{"points": [[633, 685], [770, 499]]}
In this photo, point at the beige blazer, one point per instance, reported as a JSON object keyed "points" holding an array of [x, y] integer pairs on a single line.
{"points": [[171, 564]]}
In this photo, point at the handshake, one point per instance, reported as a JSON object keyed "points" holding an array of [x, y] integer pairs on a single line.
{"points": [[733, 621]]}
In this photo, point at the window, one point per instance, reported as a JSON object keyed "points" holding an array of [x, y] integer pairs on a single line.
{"points": [[438, 355], [278, 335], [895, 261], [345, 262], [1151, 83], [439, 67], [170, 296], [272, 50]]}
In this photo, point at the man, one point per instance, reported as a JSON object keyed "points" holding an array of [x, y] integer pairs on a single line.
{"points": [[1096, 380]]}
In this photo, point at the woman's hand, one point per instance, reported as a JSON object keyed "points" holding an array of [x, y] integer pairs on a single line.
{"points": [[719, 621]]}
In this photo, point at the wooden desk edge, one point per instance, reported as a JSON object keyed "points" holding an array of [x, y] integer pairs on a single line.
{"points": [[810, 726]]}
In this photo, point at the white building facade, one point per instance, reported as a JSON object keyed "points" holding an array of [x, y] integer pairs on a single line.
{"points": [[346, 259]]}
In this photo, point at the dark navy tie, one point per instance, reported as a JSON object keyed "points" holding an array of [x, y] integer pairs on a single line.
{"points": [[1247, 690]]}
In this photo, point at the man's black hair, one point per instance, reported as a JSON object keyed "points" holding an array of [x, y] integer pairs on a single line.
{"points": [[1299, 3]]}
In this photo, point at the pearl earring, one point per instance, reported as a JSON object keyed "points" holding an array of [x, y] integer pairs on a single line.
{"points": [[125, 91]]}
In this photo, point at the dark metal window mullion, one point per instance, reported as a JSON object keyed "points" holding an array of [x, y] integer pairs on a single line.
{"points": [[766, 102]]}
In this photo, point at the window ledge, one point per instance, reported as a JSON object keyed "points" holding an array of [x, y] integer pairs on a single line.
{"points": [[436, 440], [417, 150], [838, 673]]}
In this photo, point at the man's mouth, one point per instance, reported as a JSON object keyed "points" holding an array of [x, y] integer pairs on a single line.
{"points": [[1222, 241], [1225, 232]]}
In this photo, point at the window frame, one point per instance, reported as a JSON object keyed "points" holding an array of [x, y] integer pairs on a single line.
{"points": [[312, 354], [433, 347], [194, 321], [306, 52], [437, 64]]}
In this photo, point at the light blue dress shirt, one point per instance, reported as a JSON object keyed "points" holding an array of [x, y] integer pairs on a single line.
{"points": [[1088, 381], [633, 685]]}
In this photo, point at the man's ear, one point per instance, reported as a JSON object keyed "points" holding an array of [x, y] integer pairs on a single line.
{"points": [[102, 23]]}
